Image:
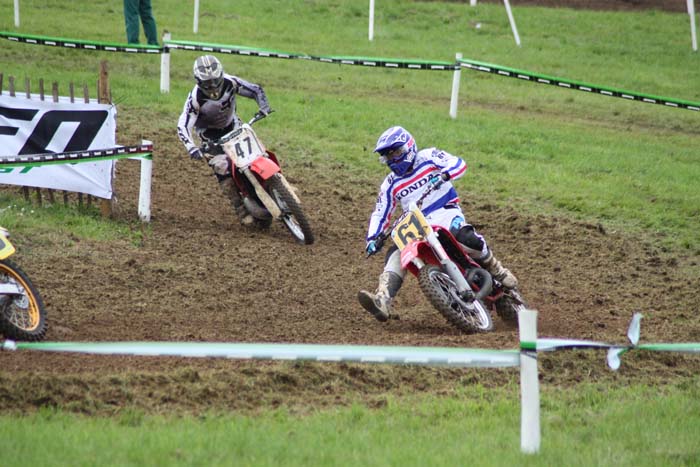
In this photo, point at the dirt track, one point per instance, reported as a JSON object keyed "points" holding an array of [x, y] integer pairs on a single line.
{"points": [[199, 276]]}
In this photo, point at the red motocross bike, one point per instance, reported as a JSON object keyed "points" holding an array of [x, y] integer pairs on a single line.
{"points": [[256, 173], [458, 287]]}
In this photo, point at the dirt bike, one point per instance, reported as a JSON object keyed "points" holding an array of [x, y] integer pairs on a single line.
{"points": [[456, 285], [22, 311], [256, 173]]}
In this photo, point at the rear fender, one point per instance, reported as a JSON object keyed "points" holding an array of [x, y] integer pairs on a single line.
{"points": [[264, 167]]}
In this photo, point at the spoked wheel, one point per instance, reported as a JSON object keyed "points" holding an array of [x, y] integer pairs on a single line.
{"points": [[441, 291], [292, 214], [22, 312]]}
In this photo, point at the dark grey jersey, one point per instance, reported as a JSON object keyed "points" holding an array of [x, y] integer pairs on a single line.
{"points": [[203, 113]]}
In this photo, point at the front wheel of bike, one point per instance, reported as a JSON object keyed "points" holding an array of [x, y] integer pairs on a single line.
{"points": [[441, 291], [22, 315], [293, 216]]}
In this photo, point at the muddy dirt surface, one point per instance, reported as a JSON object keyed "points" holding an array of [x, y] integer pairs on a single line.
{"points": [[199, 276]]}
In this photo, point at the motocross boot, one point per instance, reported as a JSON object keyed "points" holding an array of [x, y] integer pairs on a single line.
{"points": [[379, 302], [496, 269], [231, 192]]}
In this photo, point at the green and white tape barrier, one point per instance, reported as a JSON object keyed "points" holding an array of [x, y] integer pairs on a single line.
{"points": [[577, 85], [322, 353], [337, 59], [378, 62], [459, 357], [144, 151], [615, 351], [80, 44]]}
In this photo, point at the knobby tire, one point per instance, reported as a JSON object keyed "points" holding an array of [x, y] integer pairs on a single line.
{"points": [[22, 318], [277, 188], [433, 282]]}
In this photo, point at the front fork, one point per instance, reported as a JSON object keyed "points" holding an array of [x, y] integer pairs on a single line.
{"points": [[263, 196], [449, 266]]}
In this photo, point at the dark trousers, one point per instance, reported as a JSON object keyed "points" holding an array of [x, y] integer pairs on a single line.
{"points": [[135, 10]]}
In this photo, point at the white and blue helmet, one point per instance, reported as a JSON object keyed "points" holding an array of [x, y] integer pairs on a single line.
{"points": [[397, 149]]}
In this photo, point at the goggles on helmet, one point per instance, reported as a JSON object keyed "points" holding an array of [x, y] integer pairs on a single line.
{"points": [[393, 153]]}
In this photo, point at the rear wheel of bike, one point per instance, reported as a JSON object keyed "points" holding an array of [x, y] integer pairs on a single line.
{"points": [[292, 214], [508, 306], [441, 291], [23, 316]]}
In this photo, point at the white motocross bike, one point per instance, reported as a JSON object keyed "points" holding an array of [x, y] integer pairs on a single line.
{"points": [[257, 175]]}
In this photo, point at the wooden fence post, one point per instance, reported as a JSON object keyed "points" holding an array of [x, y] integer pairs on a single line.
{"points": [[104, 96]]}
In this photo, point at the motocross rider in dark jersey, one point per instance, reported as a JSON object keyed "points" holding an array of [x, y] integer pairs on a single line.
{"points": [[210, 110], [412, 171]]}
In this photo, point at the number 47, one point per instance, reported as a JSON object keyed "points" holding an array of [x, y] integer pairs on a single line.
{"points": [[239, 150]]}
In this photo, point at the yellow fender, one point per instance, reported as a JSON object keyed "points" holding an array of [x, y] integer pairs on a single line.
{"points": [[7, 249]]}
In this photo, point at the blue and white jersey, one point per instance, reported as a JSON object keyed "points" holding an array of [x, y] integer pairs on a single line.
{"points": [[202, 112], [408, 188]]}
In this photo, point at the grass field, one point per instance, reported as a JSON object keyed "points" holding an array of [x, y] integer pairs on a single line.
{"points": [[477, 426], [632, 167]]}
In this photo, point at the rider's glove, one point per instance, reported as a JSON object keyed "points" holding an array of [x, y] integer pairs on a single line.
{"points": [[262, 113], [196, 154], [437, 179], [371, 247]]}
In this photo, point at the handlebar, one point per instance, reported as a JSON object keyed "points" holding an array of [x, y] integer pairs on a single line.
{"points": [[259, 116], [207, 146], [433, 186]]}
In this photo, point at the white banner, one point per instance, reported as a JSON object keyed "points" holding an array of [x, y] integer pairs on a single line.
{"points": [[33, 126]]}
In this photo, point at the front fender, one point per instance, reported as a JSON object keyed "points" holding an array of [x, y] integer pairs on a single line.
{"points": [[415, 250], [264, 167]]}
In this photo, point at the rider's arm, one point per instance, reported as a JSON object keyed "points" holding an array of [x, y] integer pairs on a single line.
{"points": [[452, 166], [252, 91], [379, 220], [185, 123]]}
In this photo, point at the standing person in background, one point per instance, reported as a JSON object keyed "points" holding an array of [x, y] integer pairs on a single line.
{"points": [[135, 10]]}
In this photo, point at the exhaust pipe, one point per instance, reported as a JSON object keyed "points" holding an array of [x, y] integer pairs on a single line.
{"points": [[485, 278]]}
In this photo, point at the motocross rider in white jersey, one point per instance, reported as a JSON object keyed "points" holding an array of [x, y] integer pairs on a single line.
{"points": [[210, 110], [412, 171]]}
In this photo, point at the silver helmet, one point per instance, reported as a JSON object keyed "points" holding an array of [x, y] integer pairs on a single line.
{"points": [[209, 74]]}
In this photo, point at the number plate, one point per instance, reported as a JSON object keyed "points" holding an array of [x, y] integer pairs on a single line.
{"points": [[411, 228], [245, 147]]}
